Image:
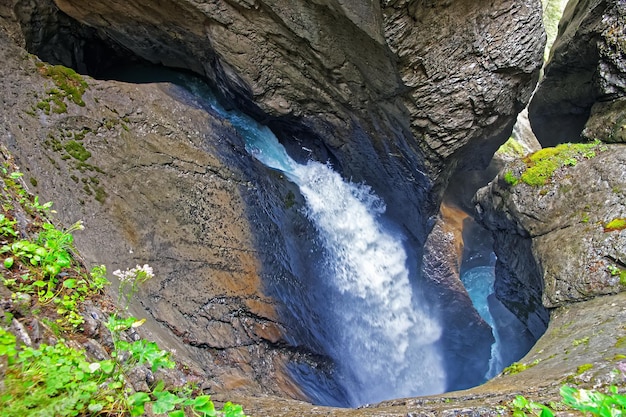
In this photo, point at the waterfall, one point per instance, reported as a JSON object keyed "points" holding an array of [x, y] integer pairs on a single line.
{"points": [[381, 341]]}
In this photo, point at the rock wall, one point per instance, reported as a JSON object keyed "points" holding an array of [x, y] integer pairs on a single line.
{"points": [[396, 94], [157, 179], [582, 93], [466, 338], [555, 237]]}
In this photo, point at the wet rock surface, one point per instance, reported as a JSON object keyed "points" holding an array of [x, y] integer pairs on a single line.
{"points": [[466, 338]]}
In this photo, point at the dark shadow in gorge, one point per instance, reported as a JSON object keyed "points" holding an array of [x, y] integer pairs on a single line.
{"points": [[514, 332]]}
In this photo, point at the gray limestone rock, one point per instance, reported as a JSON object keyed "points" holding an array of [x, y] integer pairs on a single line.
{"points": [[585, 74], [554, 238]]}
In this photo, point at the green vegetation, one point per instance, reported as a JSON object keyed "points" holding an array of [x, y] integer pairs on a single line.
{"points": [[71, 149], [541, 165], [522, 407], [517, 367], [49, 285], [70, 85], [594, 402], [510, 178], [615, 224], [586, 401], [77, 150], [616, 271], [583, 368], [61, 381], [581, 341], [512, 148]]}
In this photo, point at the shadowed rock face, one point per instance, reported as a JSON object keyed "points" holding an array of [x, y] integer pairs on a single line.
{"points": [[585, 79], [396, 94]]}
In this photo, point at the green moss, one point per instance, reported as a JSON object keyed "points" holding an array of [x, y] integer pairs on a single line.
{"points": [[621, 342], [582, 341], [511, 148], [77, 150], [33, 181], [583, 368], [619, 357], [67, 80], [101, 195], [517, 367], [81, 135], [83, 166], [44, 105], [69, 85], [615, 224], [541, 165], [510, 178]]}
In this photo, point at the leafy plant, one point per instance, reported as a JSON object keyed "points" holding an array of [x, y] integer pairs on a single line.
{"points": [[594, 402], [615, 224], [50, 252], [522, 407]]}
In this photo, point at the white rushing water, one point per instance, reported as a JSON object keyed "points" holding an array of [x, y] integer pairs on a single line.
{"points": [[380, 339], [378, 336]]}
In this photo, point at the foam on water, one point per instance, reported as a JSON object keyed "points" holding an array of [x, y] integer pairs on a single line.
{"points": [[372, 325]]}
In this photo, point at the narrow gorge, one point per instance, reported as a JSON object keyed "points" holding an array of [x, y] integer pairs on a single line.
{"points": [[301, 177]]}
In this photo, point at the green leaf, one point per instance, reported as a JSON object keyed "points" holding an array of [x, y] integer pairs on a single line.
{"points": [[176, 413], [69, 283], [95, 407], [166, 401], [107, 366], [232, 410], [136, 403], [8, 262], [546, 412], [203, 404]]}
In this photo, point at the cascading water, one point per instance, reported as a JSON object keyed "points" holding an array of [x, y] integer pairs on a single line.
{"points": [[371, 324], [381, 341]]}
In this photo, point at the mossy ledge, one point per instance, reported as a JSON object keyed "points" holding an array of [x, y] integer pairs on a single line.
{"points": [[70, 85], [540, 166], [615, 225]]}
